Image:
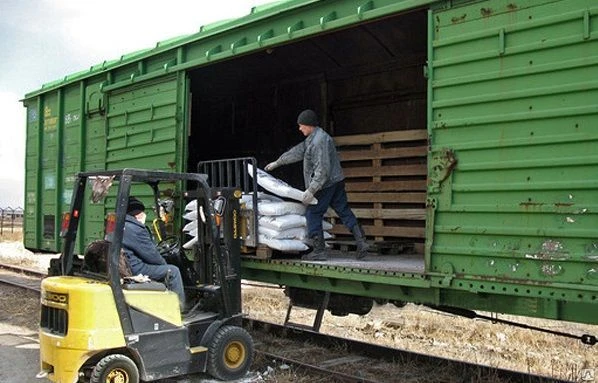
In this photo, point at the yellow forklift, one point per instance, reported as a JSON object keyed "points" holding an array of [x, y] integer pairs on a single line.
{"points": [[98, 325]]}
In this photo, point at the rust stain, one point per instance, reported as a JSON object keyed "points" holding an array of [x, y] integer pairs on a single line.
{"points": [[563, 204], [486, 12], [509, 279], [460, 19], [531, 204], [511, 7]]}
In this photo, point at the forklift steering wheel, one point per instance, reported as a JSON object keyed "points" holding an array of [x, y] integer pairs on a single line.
{"points": [[169, 246]]}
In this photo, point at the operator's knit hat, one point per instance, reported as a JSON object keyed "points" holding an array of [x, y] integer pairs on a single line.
{"points": [[135, 206], [308, 117]]}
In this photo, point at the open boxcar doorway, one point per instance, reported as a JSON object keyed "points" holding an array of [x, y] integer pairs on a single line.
{"points": [[367, 85]]}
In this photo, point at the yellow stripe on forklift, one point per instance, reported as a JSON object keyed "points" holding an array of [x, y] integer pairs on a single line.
{"points": [[195, 350]]}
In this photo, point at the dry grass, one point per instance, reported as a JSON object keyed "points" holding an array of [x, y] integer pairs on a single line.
{"points": [[12, 235], [422, 330]]}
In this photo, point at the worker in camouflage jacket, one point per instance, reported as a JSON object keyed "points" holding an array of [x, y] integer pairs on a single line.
{"points": [[324, 180]]}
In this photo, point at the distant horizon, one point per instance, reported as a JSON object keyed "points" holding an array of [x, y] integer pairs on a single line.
{"points": [[12, 193]]}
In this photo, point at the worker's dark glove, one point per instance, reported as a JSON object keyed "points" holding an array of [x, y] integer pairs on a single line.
{"points": [[307, 197], [271, 166]]}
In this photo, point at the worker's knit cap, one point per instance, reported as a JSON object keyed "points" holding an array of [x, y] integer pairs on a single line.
{"points": [[308, 117], [135, 206]]}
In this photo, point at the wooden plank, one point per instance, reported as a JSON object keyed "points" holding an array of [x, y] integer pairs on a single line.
{"points": [[404, 197], [400, 170], [377, 163], [395, 186], [394, 136], [393, 231], [355, 155], [263, 252], [411, 214]]}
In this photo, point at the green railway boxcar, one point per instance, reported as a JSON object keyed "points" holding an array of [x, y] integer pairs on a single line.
{"points": [[467, 127]]}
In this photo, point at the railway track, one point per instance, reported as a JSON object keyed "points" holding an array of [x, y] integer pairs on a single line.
{"points": [[332, 359], [21, 276], [349, 360]]}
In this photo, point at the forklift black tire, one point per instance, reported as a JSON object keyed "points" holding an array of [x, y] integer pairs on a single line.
{"points": [[230, 353], [115, 368]]}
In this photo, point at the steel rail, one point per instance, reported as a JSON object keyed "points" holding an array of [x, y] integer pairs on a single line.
{"points": [[338, 376], [14, 280], [17, 284], [468, 371], [22, 270]]}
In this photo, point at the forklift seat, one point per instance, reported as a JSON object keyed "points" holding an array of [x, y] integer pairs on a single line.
{"points": [[145, 286], [96, 255]]}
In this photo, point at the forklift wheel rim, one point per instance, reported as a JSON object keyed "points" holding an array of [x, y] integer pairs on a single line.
{"points": [[117, 375], [235, 354]]}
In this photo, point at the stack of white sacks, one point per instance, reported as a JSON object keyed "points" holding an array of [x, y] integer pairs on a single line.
{"points": [[281, 224], [191, 228]]}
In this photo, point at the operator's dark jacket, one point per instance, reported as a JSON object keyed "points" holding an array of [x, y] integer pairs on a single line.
{"points": [[139, 247]]}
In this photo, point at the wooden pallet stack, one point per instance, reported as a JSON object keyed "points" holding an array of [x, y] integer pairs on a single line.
{"points": [[385, 177]]}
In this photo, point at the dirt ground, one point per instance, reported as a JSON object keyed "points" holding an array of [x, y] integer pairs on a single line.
{"points": [[412, 327]]}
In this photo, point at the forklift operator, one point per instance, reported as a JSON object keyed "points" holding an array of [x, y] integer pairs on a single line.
{"points": [[142, 254]]}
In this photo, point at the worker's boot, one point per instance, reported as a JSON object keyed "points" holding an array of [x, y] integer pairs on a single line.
{"points": [[362, 246], [319, 252]]}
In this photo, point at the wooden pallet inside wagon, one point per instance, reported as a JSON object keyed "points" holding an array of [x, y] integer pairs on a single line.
{"points": [[385, 178]]}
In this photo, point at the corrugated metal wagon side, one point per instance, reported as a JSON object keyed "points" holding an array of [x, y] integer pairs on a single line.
{"points": [[82, 127], [513, 162]]}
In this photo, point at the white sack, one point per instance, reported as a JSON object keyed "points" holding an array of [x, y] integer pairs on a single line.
{"points": [[276, 186], [280, 208], [299, 233], [191, 205], [283, 244], [190, 243], [292, 233], [268, 232], [261, 196], [282, 222], [190, 226], [287, 221], [191, 216]]}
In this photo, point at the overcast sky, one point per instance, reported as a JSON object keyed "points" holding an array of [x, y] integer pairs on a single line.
{"points": [[44, 40]]}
